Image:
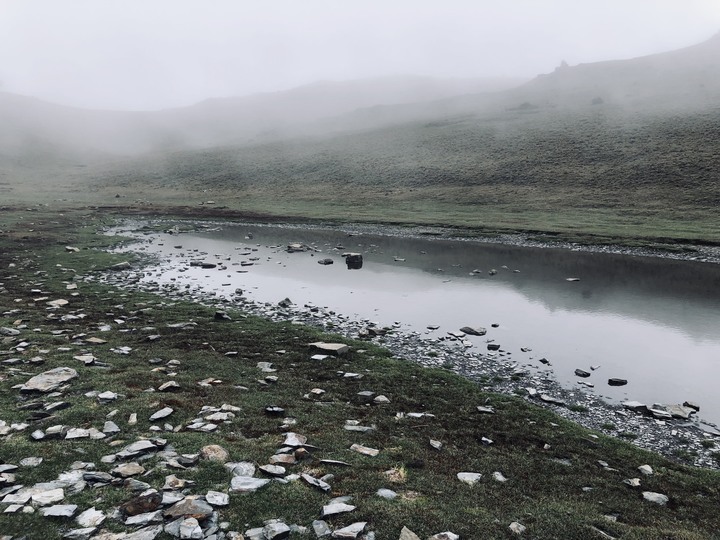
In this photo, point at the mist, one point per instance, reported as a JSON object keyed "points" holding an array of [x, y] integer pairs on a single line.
{"points": [[174, 53]]}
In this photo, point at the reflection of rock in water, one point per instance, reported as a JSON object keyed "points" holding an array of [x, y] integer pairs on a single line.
{"points": [[354, 261]]}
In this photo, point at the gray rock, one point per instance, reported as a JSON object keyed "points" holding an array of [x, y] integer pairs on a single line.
{"points": [[217, 498], [51, 496], [273, 470], [242, 468], [190, 529], [678, 411], [336, 508], [386, 493], [49, 380], [80, 534], [162, 413], [90, 518], [407, 534], [617, 382], [128, 469], [351, 531], [479, 331], [276, 530], [148, 533], [190, 507], [646, 470], [59, 510], [517, 528], [635, 406], [110, 427], [657, 498], [137, 448], [321, 528], [148, 518], [447, 535], [471, 478], [293, 439], [246, 484], [315, 482], [337, 349], [365, 450], [582, 373]]}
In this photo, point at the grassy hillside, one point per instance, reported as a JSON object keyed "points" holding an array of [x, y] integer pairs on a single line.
{"points": [[596, 169]]}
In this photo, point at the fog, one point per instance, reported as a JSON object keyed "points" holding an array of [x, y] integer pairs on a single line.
{"points": [[139, 55]]}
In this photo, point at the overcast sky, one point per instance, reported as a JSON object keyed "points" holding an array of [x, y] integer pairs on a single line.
{"points": [[150, 54]]}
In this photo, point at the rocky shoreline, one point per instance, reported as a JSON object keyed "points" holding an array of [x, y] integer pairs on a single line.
{"points": [[495, 371], [702, 253]]}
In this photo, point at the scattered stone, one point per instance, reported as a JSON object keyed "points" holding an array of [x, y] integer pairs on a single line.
{"points": [[632, 482], [407, 534], [162, 413], [386, 493], [214, 452], [128, 469], [276, 530], [217, 498], [479, 331], [499, 477], [582, 373], [351, 531], [190, 507], [142, 504], [321, 528], [657, 498], [338, 349], [517, 528], [471, 478], [617, 382], [647, 470], [59, 510], [49, 380], [316, 482], [365, 450], [485, 410], [336, 508], [246, 484]]}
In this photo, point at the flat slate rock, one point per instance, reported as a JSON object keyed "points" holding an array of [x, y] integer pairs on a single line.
{"points": [[247, 484], [49, 380], [337, 349], [59, 510]]}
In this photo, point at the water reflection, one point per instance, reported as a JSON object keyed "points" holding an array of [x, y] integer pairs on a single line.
{"points": [[652, 321]]}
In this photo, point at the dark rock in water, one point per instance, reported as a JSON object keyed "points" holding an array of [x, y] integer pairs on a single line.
{"points": [[691, 405], [581, 373], [479, 331], [208, 265], [286, 303], [617, 382], [354, 261], [222, 316], [544, 361], [325, 262], [495, 325], [493, 346], [141, 504]]}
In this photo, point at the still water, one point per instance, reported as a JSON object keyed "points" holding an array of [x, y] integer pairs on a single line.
{"points": [[652, 321]]}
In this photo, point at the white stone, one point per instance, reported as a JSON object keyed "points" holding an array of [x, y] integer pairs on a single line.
{"points": [[471, 478], [217, 498], [657, 498], [90, 518]]}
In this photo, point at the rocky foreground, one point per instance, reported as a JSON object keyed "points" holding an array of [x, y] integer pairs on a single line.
{"points": [[134, 415]]}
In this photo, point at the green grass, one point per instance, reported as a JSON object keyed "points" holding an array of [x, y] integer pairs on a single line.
{"points": [[543, 494]]}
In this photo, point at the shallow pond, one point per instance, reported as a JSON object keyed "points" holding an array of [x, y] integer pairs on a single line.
{"points": [[652, 321]]}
